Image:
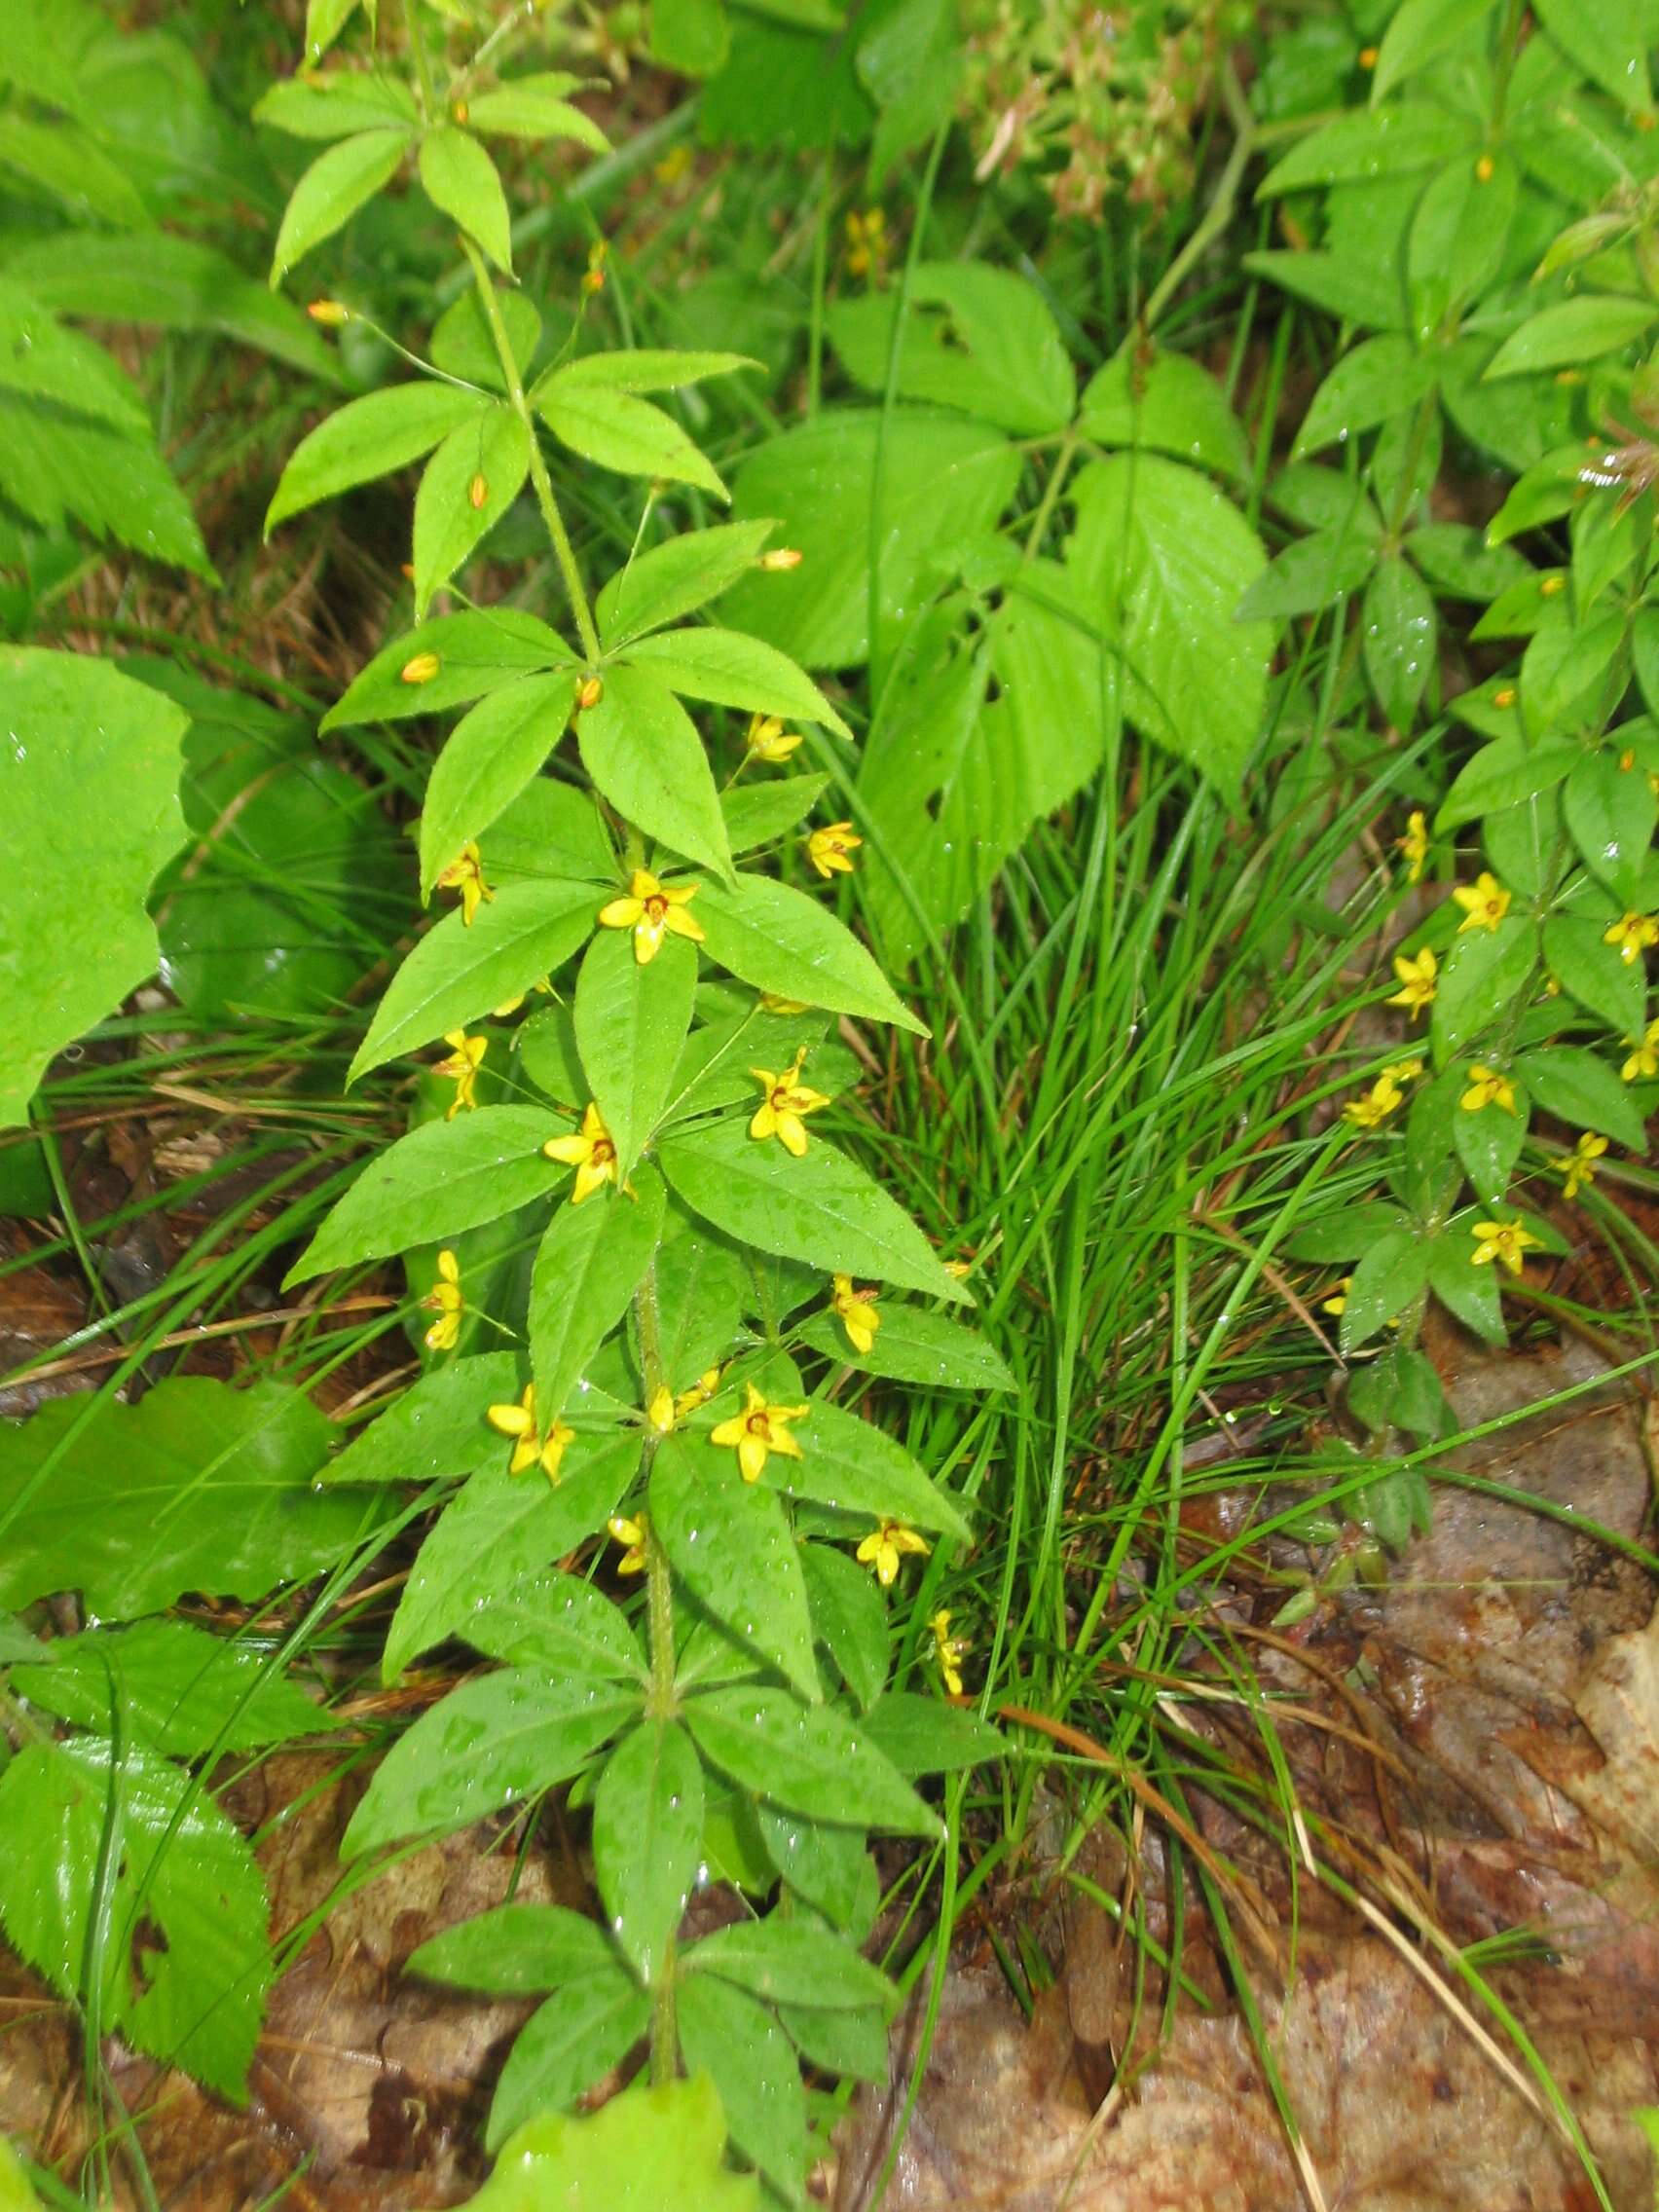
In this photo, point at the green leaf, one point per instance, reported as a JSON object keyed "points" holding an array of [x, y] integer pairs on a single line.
{"points": [[561, 1624], [1164, 403], [1171, 559], [809, 1759], [675, 578], [1469, 1293], [441, 1178], [622, 433], [436, 1426], [549, 829], [325, 20], [367, 438], [913, 1345], [1420, 31], [828, 1867], [701, 1283], [1570, 333], [647, 1838], [332, 190], [492, 1742], [739, 2044], [1459, 235], [923, 1735], [631, 1024], [534, 107], [910, 57], [846, 2045], [758, 814], [690, 37], [974, 338], [641, 751], [1338, 1236], [820, 1209], [643, 369], [1388, 1276], [489, 757], [731, 1544], [1611, 812], [1583, 1091], [735, 671], [1367, 144], [40, 359], [788, 1962], [587, 1268], [500, 1529], [850, 1617], [17, 1644], [1502, 774], [461, 181], [17, 2192], [1458, 561], [1595, 975], [1398, 624], [565, 2047], [1489, 1140], [55, 464], [648, 2150], [1352, 290], [90, 782], [1480, 978], [126, 1877], [516, 1950], [782, 940], [1609, 43], [1310, 574], [855, 1467], [1379, 377], [174, 1688], [488, 456], [197, 1486], [476, 653], [336, 104], [462, 342]]}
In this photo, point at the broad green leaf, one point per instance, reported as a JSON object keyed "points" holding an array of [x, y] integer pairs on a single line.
{"points": [[1489, 1140], [459, 971], [1610, 43], [197, 1486], [1467, 1291], [1364, 145], [325, 20], [463, 345], [1379, 377], [1458, 561], [17, 2192], [1479, 979], [1165, 403], [783, 941], [516, 1950], [913, 1345], [461, 181], [1459, 235], [647, 368], [849, 1616], [647, 1838], [731, 1544], [544, 1048], [534, 107], [1595, 975], [492, 1742], [1565, 668], [173, 1688], [690, 37], [641, 751], [809, 1759], [501, 1528], [1398, 624], [1171, 559], [1310, 574], [561, 1624], [336, 104], [788, 1962], [475, 652], [1386, 1278], [89, 788], [436, 1426], [1420, 31], [16, 1645], [675, 578], [1583, 1091], [828, 1867], [701, 1282], [631, 1019], [974, 338], [367, 438], [490, 756], [648, 2150], [332, 190], [622, 433], [109, 1861], [466, 488], [1360, 292], [714, 1069], [910, 58], [733, 669], [587, 1268], [1611, 811], [40, 359], [725, 2034], [571, 2043], [1338, 1236], [1501, 774], [71, 166], [855, 1467], [758, 814], [442, 1177], [923, 1735], [820, 1209], [549, 829], [847, 2044], [1570, 333]]}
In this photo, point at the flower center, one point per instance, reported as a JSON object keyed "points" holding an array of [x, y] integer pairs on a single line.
{"points": [[759, 1425], [656, 906], [603, 1152]]}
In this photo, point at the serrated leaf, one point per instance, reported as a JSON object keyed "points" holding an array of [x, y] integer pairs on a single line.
{"points": [[332, 190], [476, 653], [1165, 403], [647, 1838], [174, 1688], [782, 940], [631, 1022], [809, 1759], [565, 2047], [675, 578], [367, 438], [973, 337], [587, 1268], [643, 752], [732, 670], [467, 487], [731, 1544], [620, 431], [461, 181], [647, 2150], [41, 359], [489, 757]]}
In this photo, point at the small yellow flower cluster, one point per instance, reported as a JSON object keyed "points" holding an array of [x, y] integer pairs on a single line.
{"points": [[786, 1100], [444, 1300], [1372, 1107], [465, 874], [652, 910], [631, 1534], [948, 1650], [1416, 974], [1485, 902], [1578, 1168], [885, 1547], [768, 739], [868, 246], [1633, 935], [1488, 1087], [1643, 1064], [466, 1058], [1505, 1241], [859, 1316], [1414, 845], [828, 849], [589, 1151], [529, 1447]]}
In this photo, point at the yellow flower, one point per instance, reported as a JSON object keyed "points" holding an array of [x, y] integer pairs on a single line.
{"points": [[660, 1412], [420, 668], [1372, 1110], [860, 1315], [529, 1447], [589, 1151], [466, 1055], [885, 1546], [948, 1650], [1579, 1166], [867, 243], [758, 1431], [1644, 1060], [1488, 1087], [1485, 902], [1402, 1071], [511, 1006], [631, 1534], [1632, 934], [960, 1269], [827, 849], [780, 559], [652, 910], [699, 1394], [1505, 1241], [444, 1298], [771, 1002], [1416, 973], [787, 1099], [1337, 1302], [768, 739], [465, 875], [1414, 845]]}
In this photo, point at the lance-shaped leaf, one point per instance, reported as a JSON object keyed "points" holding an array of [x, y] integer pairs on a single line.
{"points": [[647, 1838], [733, 669], [447, 661], [913, 1345], [856, 1467], [367, 438], [781, 939], [731, 1544], [534, 107], [809, 1759], [624, 433], [436, 1427], [468, 485], [631, 1020], [587, 1268], [489, 757], [725, 2034], [461, 181], [675, 578], [333, 189], [786, 1962], [568, 2045], [641, 751]]}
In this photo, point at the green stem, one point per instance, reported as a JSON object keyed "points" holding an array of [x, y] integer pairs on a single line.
{"points": [[1219, 213], [423, 67], [564, 551]]}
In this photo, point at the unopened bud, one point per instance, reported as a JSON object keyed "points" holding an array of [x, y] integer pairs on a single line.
{"points": [[332, 313], [459, 112], [591, 692], [1485, 169], [1627, 760], [781, 557], [477, 492], [422, 668], [1505, 697], [407, 570], [1551, 585], [1368, 57], [594, 281]]}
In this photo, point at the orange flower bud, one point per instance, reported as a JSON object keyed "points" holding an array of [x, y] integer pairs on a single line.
{"points": [[1368, 57], [1505, 697], [459, 112], [781, 557], [590, 694], [1485, 169], [422, 668], [332, 313], [477, 492]]}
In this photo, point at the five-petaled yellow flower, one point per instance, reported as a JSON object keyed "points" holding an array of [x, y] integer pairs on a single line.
{"points": [[444, 1300], [1633, 935], [589, 1151], [1488, 1087], [758, 1431], [787, 1099], [652, 910], [827, 849], [860, 1315], [1505, 1241], [1579, 1167], [631, 1534], [948, 1650], [465, 1056], [1416, 973], [1644, 1062], [886, 1545], [530, 1445], [1337, 1302], [699, 1394], [466, 876], [1414, 845], [1485, 902], [768, 739], [660, 1412], [1374, 1107]]}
